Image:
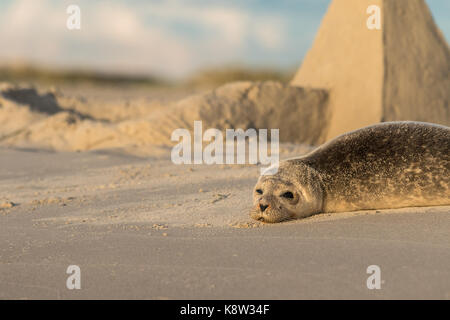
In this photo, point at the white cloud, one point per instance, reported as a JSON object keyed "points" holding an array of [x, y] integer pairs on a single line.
{"points": [[230, 25], [142, 37], [22, 30], [269, 32]]}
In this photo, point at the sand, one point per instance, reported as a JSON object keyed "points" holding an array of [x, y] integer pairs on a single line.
{"points": [[86, 179], [141, 227], [399, 72], [145, 228], [57, 121]]}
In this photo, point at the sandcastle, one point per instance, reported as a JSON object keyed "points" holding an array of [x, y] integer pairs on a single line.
{"points": [[400, 72]]}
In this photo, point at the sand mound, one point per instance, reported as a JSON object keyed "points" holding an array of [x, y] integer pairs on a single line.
{"points": [[400, 72], [299, 113], [45, 103], [30, 119]]}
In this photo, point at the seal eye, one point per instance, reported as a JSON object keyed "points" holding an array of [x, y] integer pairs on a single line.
{"points": [[259, 191], [288, 195]]}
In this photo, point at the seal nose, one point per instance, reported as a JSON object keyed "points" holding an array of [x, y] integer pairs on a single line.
{"points": [[263, 207]]}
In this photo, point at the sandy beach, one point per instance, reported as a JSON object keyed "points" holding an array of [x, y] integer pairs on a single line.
{"points": [[144, 228], [109, 118]]}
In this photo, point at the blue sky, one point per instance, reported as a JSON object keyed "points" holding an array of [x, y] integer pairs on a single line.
{"points": [[172, 38]]}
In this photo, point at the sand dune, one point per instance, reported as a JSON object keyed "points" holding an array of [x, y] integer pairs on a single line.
{"points": [[51, 121]]}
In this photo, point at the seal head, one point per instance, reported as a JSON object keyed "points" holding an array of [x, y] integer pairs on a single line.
{"points": [[293, 192]]}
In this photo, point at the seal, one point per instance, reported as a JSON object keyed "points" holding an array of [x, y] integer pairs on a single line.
{"points": [[387, 165]]}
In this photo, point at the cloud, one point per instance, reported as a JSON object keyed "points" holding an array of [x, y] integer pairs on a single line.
{"points": [[270, 32], [22, 30], [145, 37], [168, 37]]}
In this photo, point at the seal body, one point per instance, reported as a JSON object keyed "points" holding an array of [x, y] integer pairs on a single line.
{"points": [[388, 165]]}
